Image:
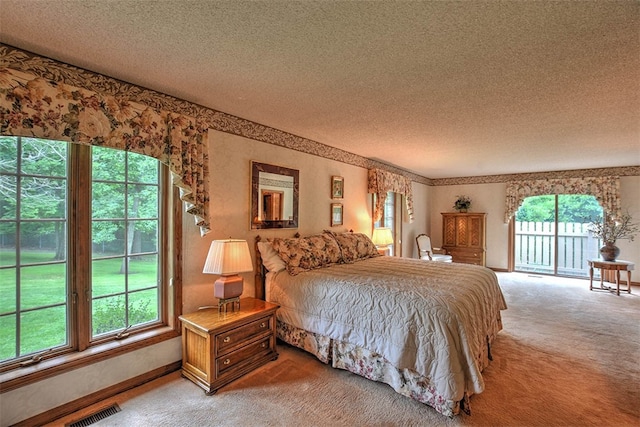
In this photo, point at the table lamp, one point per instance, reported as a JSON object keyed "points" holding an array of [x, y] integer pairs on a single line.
{"points": [[228, 258], [382, 238]]}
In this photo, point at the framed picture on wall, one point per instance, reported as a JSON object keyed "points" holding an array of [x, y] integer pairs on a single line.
{"points": [[337, 187], [336, 214]]}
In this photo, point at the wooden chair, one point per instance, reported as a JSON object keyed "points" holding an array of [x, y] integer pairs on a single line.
{"points": [[426, 252]]}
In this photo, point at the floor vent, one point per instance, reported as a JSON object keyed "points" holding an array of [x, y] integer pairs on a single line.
{"points": [[94, 418]]}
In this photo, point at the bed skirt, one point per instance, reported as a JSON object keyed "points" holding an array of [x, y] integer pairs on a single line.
{"points": [[373, 366]]}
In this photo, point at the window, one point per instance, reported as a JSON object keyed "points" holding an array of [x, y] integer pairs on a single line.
{"points": [[81, 244], [391, 218]]}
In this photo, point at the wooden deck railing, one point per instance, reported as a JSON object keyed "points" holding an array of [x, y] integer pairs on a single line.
{"points": [[535, 247]]}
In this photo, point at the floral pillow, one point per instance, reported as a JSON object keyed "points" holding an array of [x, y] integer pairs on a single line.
{"points": [[307, 253], [355, 246]]}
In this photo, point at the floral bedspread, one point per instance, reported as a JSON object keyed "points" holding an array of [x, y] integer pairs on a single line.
{"points": [[423, 326]]}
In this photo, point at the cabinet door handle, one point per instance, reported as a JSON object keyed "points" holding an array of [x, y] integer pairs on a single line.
{"points": [[263, 325], [226, 361], [264, 345], [226, 339]]}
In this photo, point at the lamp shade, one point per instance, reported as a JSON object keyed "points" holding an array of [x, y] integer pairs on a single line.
{"points": [[382, 236], [228, 257]]}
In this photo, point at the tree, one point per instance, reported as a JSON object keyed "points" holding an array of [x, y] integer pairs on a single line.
{"points": [[41, 187], [116, 173], [571, 208]]}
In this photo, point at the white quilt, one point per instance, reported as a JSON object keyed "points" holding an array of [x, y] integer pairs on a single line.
{"points": [[434, 318]]}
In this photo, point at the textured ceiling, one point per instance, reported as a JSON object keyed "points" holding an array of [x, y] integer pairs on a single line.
{"points": [[442, 89]]}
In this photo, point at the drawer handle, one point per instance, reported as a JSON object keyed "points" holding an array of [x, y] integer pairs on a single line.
{"points": [[263, 345], [263, 325], [226, 361], [226, 339]]}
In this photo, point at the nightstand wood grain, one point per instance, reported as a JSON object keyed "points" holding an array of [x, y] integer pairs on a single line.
{"points": [[219, 347]]}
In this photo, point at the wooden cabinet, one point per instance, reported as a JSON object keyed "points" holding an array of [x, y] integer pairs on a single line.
{"points": [[219, 347], [463, 236]]}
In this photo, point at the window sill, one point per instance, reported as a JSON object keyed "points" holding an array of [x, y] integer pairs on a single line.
{"points": [[20, 377]]}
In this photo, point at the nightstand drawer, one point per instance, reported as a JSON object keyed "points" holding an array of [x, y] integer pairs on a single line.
{"points": [[243, 334], [243, 356]]}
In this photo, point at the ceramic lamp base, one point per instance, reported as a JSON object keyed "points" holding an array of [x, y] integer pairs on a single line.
{"points": [[227, 287]]}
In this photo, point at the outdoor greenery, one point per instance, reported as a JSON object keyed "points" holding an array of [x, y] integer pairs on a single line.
{"points": [[571, 208], [33, 197]]}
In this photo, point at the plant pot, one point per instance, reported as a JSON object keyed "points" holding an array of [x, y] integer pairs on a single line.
{"points": [[609, 252]]}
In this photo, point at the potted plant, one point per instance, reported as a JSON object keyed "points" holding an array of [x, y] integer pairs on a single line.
{"points": [[462, 204], [610, 230]]}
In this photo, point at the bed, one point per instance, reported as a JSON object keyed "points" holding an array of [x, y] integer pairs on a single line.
{"points": [[424, 328]]}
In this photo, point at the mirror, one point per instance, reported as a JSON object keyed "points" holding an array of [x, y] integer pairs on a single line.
{"points": [[274, 196]]}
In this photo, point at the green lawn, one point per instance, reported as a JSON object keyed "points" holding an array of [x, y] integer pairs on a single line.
{"points": [[45, 285]]}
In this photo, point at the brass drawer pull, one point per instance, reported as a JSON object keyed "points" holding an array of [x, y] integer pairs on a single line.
{"points": [[226, 361], [263, 325], [226, 339], [264, 345]]}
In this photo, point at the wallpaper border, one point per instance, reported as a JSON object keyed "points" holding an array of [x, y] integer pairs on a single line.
{"points": [[18, 59]]}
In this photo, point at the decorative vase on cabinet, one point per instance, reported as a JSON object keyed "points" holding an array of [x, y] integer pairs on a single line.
{"points": [[463, 236]]}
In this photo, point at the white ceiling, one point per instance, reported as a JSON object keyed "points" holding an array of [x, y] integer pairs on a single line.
{"points": [[442, 89]]}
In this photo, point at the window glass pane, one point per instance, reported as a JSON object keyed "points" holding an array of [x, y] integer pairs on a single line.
{"points": [[7, 197], [145, 236], [7, 290], [108, 238], [43, 197], [108, 277], [575, 244], [142, 201], [33, 298], [143, 306], [143, 272], [108, 200], [142, 169], [42, 285], [7, 244], [8, 154], [134, 278], [8, 330], [43, 329], [43, 241], [108, 164], [43, 157], [109, 314]]}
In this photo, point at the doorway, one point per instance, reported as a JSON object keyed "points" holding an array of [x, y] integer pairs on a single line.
{"points": [[552, 235]]}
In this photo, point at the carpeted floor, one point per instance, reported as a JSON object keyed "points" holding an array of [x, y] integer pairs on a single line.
{"points": [[566, 357]]}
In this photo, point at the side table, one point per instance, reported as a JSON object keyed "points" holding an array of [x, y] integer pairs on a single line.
{"points": [[219, 347], [616, 266]]}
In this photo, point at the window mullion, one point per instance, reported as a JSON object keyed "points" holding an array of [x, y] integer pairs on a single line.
{"points": [[80, 242]]}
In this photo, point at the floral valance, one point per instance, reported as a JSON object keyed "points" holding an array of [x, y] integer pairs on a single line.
{"points": [[605, 189], [381, 182], [36, 107]]}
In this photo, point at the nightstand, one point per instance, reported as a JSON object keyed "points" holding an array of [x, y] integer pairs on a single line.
{"points": [[219, 347]]}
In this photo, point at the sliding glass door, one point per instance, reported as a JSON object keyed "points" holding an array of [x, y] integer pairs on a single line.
{"points": [[552, 236]]}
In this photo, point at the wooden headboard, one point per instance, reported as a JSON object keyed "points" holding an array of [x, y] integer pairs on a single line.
{"points": [[260, 271]]}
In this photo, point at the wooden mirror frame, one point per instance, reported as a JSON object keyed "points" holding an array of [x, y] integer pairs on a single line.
{"points": [[256, 222]]}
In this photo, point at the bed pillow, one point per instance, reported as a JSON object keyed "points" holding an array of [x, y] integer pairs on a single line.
{"points": [[355, 246], [270, 258], [307, 253]]}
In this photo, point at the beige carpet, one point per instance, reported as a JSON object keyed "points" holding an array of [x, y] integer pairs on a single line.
{"points": [[566, 357]]}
